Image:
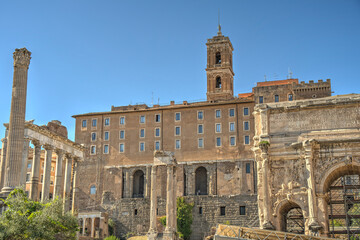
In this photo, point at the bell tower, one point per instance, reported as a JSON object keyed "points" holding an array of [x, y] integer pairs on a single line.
{"points": [[219, 70]]}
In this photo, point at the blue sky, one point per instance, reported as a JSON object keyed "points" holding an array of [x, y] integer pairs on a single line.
{"points": [[89, 55]]}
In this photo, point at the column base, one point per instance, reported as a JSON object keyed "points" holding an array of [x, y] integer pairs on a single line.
{"points": [[152, 235], [169, 235], [7, 189]]}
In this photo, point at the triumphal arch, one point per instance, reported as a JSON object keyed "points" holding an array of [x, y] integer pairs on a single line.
{"points": [[308, 164]]}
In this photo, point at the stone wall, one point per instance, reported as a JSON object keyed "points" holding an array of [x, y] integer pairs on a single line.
{"points": [[132, 215]]}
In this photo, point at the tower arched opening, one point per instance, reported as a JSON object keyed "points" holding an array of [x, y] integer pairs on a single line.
{"points": [[201, 181], [138, 184]]}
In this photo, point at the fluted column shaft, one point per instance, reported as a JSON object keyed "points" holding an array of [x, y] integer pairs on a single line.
{"points": [[25, 157], [3, 161], [47, 173], [75, 189], [17, 120], [169, 199], [35, 171], [153, 201], [67, 183], [58, 173]]}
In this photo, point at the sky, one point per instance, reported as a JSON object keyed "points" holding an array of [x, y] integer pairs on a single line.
{"points": [[88, 55]]}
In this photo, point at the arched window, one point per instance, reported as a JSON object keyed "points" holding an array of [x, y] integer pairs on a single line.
{"points": [[201, 181], [292, 218], [276, 98], [218, 82], [218, 58], [138, 184], [93, 190]]}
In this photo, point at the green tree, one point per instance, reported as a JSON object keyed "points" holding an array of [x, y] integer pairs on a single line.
{"points": [[27, 219], [184, 218]]}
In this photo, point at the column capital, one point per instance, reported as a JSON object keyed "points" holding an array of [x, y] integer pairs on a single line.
{"points": [[22, 57], [68, 156], [48, 147], [35, 142], [59, 151]]}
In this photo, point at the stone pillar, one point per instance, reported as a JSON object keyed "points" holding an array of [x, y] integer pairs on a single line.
{"points": [[47, 173], [58, 173], [174, 199], [170, 230], [147, 181], [127, 183], [92, 227], [190, 181], [17, 120], [67, 183], [152, 233], [25, 157], [265, 187], [3, 161], [35, 171], [212, 181], [83, 227], [131, 184], [313, 224], [75, 189]]}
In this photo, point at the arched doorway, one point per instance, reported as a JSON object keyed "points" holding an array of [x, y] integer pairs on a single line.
{"points": [[138, 184], [201, 181], [343, 191], [292, 218]]}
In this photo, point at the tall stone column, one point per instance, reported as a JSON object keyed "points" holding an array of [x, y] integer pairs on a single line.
{"points": [[147, 181], [67, 183], [75, 189], [47, 172], [152, 233], [58, 173], [265, 187], [17, 120], [131, 188], [313, 224], [35, 171], [3, 161], [127, 184], [174, 199], [93, 227], [25, 157], [170, 230]]}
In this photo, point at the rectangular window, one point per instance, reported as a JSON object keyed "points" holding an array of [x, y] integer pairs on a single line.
{"points": [[200, 115], [106, 136], [231, 112], [107, 121], [218, 127], [157, 118], [246, 126], [157, 145], [217, 113], [135, 212], [28, 177], [93, 150], [261, 99], [242, 210], [106, 149], [246, 111], [142, 146], [157, 132], [121, 148], [142, 132], [93, 136], [94, 123], [83, 124], [122, 134], [232, 141], [247, 166], [142, 119], [29, 165], [218, 142], [232, 127], [276, 98], [177, 116], [122, 120], [41, 178], [247, 140], [177, 144], [222, 211], [177, 131], [290, 97], [200, 210], [200, 129], [200, 143]]}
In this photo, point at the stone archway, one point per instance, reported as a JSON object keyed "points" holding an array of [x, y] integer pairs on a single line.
{"points": [[138, 184], [291, 218], [201, 185], [342, 187]]}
